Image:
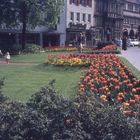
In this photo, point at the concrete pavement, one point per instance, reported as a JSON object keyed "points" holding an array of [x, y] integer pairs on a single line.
{"points": [[132, 54]]}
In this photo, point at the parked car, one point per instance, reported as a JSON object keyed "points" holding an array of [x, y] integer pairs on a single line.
{"points": [[133, 42]]}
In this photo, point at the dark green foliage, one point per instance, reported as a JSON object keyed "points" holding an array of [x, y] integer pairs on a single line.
{"points": [[61, 112], [29, 14], [31, 48], [17, 122], [2, 97], [16, 49], [84, 118], [50, 116]]}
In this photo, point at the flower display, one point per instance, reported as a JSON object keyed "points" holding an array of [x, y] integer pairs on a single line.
{"points": [[71, 59], [109, 80], [106, 49], [60, 48]]}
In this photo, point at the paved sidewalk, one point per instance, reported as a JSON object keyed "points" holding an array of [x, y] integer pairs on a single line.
{"points": [[132, 54]]}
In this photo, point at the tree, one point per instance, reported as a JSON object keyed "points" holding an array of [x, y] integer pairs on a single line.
{"points": [[29, 13]]}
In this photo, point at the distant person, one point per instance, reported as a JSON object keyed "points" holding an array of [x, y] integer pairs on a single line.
{"points": [[1, 54], [124, 43], [7, 57], [82, 41]]}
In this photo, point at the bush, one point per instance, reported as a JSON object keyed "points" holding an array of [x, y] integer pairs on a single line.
{"points": [[50, 116], [32, 48], [2, 97], [83, 118], [60, 112], [16, 49], [17, 122]]}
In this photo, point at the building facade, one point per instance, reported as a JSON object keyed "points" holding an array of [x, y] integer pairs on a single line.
{"points": [[131, 18], [77, 16], [104, 20], [108, 19]]}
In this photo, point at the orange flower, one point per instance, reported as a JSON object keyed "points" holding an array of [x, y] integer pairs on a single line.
{"points": [[126, 104], [103, 98], [121, 94]]}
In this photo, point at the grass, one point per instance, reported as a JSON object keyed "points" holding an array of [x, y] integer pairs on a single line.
{"points": [[134, 70], [21, 81], [37, 57]]}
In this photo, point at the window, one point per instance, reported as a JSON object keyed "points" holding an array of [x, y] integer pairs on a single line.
{"points": [[89, 17], [78, 17], [72, 16], [130, 6], [84, 17]]}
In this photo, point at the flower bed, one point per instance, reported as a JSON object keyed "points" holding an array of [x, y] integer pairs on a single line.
{"points": [[106, 49], [71, 59], [110, 81], [60, 48]]}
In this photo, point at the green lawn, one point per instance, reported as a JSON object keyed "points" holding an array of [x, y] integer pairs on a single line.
{"points": [[21, 81], [135, 71]]}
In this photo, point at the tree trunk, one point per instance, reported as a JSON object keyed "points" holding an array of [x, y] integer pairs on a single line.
{"points": [[23, 36], [24, 26]]}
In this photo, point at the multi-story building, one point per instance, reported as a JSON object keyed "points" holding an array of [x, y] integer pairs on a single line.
{"points": [[131, 17], [77, 16], [108, 19]]}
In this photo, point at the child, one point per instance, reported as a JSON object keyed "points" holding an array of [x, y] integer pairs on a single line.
{"points": [[1, 53], [7, 57]]}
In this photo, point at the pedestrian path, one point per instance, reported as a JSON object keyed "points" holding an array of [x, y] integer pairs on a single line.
{"points": [[18, 63], [132, 54]]}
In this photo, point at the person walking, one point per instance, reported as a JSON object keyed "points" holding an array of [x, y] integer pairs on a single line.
{"points": [[7, 57], [81, 42]]}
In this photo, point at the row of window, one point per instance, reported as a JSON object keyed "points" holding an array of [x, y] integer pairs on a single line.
{"points": [[80, 17], [129, 20], [132, 7], [81, 2], [99, 22], [115, 8]]}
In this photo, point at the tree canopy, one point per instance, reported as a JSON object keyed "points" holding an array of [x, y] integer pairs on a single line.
{"points": [[29, 13]]}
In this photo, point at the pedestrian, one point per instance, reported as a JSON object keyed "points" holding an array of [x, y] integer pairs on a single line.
{"points": [[124, 43], [80, 45], [1, 54], [84, 39], [7, 57], [81, 42]]}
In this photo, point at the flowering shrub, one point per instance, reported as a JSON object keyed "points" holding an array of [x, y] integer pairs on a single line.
{"points": [[109, 80]]}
